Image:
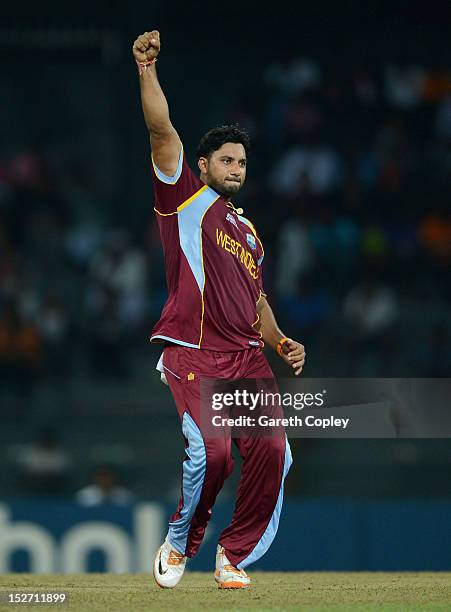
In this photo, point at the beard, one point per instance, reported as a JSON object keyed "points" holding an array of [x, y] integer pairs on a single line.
{"points": [[226, 189]]}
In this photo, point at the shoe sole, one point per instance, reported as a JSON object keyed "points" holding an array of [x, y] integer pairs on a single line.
{"points": [[232, 585]]}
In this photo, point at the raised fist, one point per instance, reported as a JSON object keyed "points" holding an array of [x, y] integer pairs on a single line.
{"points": [[147, 46]]}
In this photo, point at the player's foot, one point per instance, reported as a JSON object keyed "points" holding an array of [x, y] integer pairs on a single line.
{"points": [[227, 575], [168, 566]]}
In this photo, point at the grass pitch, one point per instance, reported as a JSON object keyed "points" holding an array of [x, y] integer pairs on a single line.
{"points": [[269, 591]]}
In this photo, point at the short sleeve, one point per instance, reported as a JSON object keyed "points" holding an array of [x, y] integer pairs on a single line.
{"points": [[171, 191]]}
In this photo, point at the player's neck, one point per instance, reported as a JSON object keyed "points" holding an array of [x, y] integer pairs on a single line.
{"points": [[204, 180]]}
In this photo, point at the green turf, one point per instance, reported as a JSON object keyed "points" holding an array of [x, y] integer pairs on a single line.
{"points": [[269, 591]]}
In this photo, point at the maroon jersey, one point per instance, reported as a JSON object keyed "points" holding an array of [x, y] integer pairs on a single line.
{"points": [[213, 260]]}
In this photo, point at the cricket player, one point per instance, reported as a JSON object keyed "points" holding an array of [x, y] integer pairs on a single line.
{"points": [[214, 324]]}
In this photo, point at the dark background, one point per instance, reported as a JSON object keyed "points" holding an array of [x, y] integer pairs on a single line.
{"points": [[349, 108]]}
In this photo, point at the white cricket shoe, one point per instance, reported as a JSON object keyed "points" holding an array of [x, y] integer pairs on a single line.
{"points": [[168, 566], [227, 575]]}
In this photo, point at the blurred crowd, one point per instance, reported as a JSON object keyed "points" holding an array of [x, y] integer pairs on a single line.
{"points": [[349, 185], [74, 294], [44, 467], [356, 210]]}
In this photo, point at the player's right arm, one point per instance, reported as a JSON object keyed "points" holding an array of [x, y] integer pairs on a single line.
{"points": [[164, 140]]}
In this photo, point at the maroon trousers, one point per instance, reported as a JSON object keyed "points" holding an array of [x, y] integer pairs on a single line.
{"points": [[208, 459]]}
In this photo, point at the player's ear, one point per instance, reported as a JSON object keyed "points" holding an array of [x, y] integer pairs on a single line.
{"points": [[202, 162]]}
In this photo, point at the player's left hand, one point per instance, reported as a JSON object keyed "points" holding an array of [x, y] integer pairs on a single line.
{"points": [[293, 353]]}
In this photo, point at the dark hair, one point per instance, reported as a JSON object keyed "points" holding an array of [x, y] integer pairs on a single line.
{"points": [[215, 138]]}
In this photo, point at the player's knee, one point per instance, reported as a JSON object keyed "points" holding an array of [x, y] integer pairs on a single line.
{"points": [[220, 459], [278, 450], [275, 446]]}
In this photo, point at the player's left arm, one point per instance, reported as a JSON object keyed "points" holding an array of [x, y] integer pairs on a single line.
{"points": [[293, 353]]}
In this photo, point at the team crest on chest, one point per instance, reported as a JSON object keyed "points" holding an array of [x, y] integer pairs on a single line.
{"points": [[251, 241]]}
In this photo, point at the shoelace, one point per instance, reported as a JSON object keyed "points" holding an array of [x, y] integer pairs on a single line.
{"points": [[235, 570], [175, 558]]}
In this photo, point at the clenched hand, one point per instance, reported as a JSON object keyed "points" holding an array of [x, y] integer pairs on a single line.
{"points": [[147, 46], [293, 353]]}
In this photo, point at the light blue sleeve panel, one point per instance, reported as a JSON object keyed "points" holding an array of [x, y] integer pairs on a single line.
{"points": [[169, 180], [190, 231]]}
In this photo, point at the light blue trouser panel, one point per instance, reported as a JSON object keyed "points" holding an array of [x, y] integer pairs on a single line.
{"points": [[270, 532], [192, 482]]}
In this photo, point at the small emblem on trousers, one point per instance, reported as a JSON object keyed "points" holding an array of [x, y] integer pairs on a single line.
{"points": [[190, 376]]}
